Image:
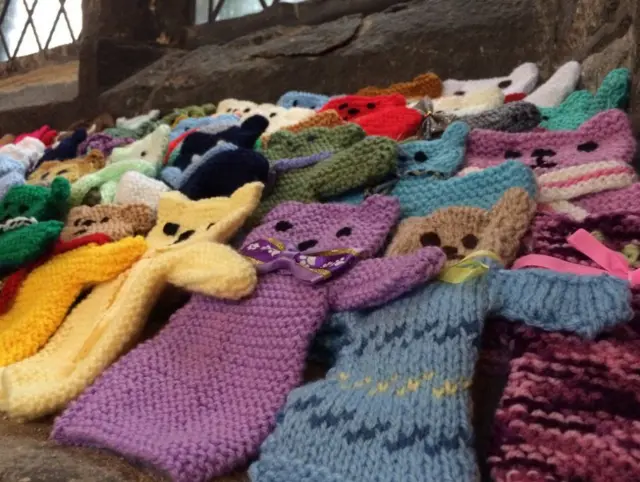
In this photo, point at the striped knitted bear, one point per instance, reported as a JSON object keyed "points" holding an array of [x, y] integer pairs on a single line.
{"points": [[396, 406], [230, 365]]}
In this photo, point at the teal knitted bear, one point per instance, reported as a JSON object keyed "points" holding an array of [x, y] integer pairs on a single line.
{"points": [[582, 105]]}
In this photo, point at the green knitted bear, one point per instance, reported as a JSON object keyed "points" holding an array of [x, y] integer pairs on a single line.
{"points": [[189, 111], [31, 218], [365, 163], [582, 105]]}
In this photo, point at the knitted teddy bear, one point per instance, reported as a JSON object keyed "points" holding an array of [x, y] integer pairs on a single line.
{"points": [[512, 117], [33, 318], [365, 163], [194, 123], [428, 84], [231, 365], [45, 134], [116, 221], [134, 188], [29, 222], [307, 100], [28, 151], [328, 118], [12, 173], [522, 79], [396, 406], [67, 148], [144, 156], [569, 399], [105, 143], [144, 129], [556, 89], [183, 250], [473, 103], [582, 105], [71, 169], [383, 115], [181, 113], [235, 106], [137, 121], [569, 164], [278, 117]]}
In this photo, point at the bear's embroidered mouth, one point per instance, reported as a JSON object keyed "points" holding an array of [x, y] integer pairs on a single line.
{"points": [[17, 222]]}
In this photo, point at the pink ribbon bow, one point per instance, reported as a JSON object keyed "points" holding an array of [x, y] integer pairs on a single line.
{"points": [[612, 263]]}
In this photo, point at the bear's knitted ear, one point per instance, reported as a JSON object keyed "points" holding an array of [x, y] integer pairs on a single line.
{"points": [[141, 217], [60, 191], [456, 132], [282, 211], [255, 123]]}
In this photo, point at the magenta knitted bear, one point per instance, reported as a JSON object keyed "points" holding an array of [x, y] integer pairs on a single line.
{"points": [[569, 165], [197, 400]]}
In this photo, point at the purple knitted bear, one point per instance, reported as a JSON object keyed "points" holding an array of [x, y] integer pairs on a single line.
{"points": [[198, 400]]}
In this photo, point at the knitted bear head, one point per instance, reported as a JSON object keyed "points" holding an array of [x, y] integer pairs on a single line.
{"points": [[568, 164], [331, 226], [511, 117], [277, 116], [522, 79], [150, 148], [327, 118], [581, 105], [423, 85], [116, 221], [471, 103], [461, 230], [352, 107], [235, 106], [71, 170], [188, 124], [39, 202], [307, 100], [180, 113], [317, 140], [441, 156], [181, 222]]}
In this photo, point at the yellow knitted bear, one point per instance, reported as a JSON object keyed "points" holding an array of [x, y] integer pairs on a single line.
{"points": [[49, 291], [181, 251]]}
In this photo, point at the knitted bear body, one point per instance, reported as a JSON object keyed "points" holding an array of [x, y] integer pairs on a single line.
{"points": [[396, 405], [181, 251], [219, 414]]}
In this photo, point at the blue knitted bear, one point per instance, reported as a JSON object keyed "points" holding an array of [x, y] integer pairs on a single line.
{"points": [[12, 173], [190, 123], [396, 406], [295, 98]]}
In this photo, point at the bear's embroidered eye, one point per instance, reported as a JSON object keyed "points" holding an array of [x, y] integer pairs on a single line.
{"points": [[430, 239], [64, 171], [343, 106], [311, 137], [294, 103], [229, 109], [211, 224], [273, 114], [353, 111], [459, 92], [248, 109], [143, 153], [283, 226], [77, 222], [420, 156], [170, 229], [88, 222], [184, 236], [343, 232], [504, 84], [588, 146], [104, 220], [44, 176], [512, 154], [470, 241], [371, 105]]}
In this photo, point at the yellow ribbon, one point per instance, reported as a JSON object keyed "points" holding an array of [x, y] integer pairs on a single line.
{"points": [[468, 268]]}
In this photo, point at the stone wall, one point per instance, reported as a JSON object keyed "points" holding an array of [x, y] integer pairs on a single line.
{"points": [[455, 38]]}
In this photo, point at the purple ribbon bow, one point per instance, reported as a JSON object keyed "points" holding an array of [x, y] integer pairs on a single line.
{"points": [[271, 255]]}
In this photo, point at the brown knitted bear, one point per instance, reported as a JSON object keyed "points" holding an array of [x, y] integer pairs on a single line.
{"points": [[116, 221]]}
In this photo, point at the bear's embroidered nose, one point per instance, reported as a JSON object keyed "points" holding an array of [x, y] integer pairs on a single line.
{"points": [[308, 244]]}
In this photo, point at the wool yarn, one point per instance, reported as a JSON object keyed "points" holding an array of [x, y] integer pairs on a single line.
{"points": [[67, 148], [567, 164], [175, 177], [193, 123], [307, 100], [135, 122], [141, 131], [235, 106], [182, 250], [471, 103], [522, 79], [197, 143], [102, 142], [45, 134], [116, 221], [29, 216], [28, 151], [220, 174], [278, 117], [135, 187], [231, 413], [352, 107], [428, 84], [582, 105], [178, 114], [512, 117], [396, 406], [33, 319], [12, 173], [71, 169], [556, 89], [328, 118], [568, 398], [365, 163]]}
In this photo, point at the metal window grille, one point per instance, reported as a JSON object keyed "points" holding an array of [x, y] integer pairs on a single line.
{"points": [[213, 10], [33, 26]]}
